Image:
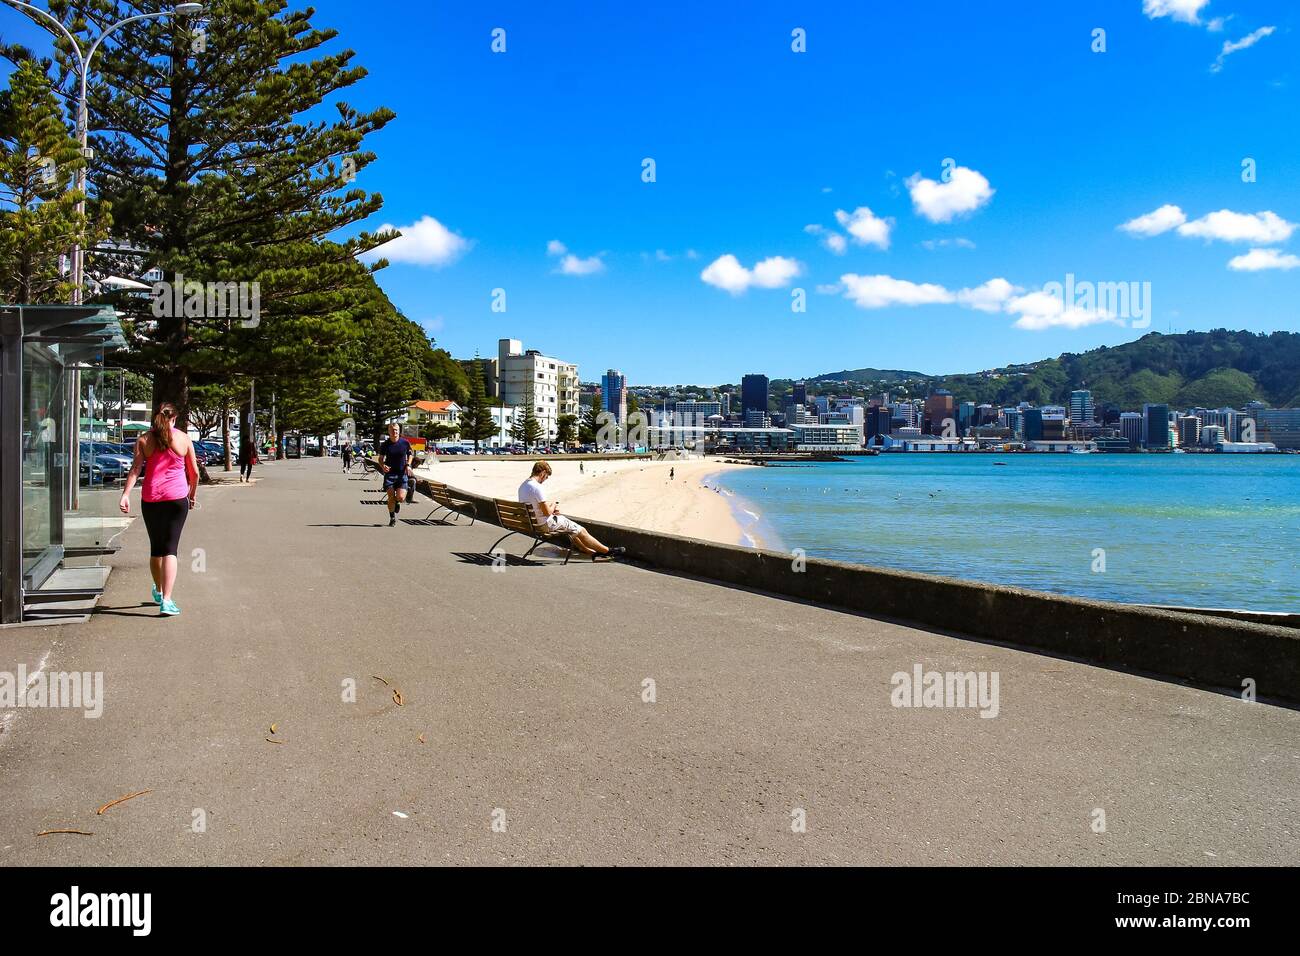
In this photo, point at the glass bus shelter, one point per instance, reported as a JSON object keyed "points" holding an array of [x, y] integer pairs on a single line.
{"points": [[54, 503]]}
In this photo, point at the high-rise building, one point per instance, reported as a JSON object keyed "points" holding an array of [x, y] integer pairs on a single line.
{"points": [[1156, 417], [1082, 411], [1281, 426], [1189, 430], [532, 380], [939, 407], [799, 394], [1132, 425], [753, 393], [878, 421], [613, 394]]}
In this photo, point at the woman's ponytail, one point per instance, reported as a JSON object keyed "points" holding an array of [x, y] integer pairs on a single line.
{"points": [[162, 425]]}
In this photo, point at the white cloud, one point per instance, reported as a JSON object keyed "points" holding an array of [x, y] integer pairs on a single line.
{"points": [[879, 292], [1257, 260], [866, 228], [965, 191], [426, 242], [1154, 223], [571, 265], [774, 272], [1245, 43], [1185, 11], [830, 239], [1228, 226], [992, 296]]}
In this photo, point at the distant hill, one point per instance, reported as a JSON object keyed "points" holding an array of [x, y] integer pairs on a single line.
{"points": [[1211, 369], [869, 375]]}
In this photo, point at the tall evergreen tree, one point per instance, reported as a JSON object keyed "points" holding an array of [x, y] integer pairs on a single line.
{"points": [[210, 142], [39, 221], [589, 427], [476, 422]]}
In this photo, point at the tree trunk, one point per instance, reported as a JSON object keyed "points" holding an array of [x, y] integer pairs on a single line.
{"points": [[225, 433]]}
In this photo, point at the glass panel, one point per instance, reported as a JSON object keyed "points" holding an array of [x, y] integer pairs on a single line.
{"points": [[44, 453], [103, 464]]}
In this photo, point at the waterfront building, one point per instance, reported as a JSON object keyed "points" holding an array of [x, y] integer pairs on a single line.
{"points": [[754, 440], [1156, 417], [1132, 426], [1061, 445], [1229, 418], [1211, 435], [1082, 410], [1281, 426], [757, 419], [939, 407], [531, 379], [827, 437], [1189, 430], [753, 393], [1246, 447], [613, 394], [923, 443], [878, 421]]}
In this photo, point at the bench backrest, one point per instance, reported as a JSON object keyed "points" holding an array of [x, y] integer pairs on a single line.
{"points": [[516, 516]]}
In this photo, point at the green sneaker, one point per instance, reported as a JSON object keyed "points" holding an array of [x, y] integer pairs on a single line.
{"points": [[169, 608], [157, 595]]}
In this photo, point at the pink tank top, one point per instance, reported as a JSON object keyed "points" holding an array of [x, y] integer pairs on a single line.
{"points": [[164, 477]]}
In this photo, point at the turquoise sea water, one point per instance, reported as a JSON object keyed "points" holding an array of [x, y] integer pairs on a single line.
{"points": [[1193, 530]]}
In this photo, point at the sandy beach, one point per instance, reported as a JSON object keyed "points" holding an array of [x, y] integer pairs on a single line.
{"points": [[634, 493]]}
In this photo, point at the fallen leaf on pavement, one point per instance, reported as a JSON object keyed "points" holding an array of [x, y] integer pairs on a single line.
{"points": [[273, 728], [129, 796], [420, 738], [397, 696], [380, 679], [82, 832], [271, 740]]}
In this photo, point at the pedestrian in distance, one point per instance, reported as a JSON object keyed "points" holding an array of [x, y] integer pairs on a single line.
{"points": [[247, 458], [171, 481]]}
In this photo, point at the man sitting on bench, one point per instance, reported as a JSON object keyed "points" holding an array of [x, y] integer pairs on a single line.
{"points": [[548, 516]]}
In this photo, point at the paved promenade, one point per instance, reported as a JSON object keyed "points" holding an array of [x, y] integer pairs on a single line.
{"points": [[522, 704]]}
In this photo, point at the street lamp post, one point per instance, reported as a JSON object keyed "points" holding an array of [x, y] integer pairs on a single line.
{"points": [[83, 63]]}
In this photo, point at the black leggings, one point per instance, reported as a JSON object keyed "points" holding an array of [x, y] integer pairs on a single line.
{"points": [[246, 469], [164, 521]]}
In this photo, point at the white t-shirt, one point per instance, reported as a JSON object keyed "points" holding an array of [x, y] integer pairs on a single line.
{"points": [[531, 494]]}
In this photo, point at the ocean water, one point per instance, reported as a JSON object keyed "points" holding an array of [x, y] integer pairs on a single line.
{"points": [[1189, 530]]}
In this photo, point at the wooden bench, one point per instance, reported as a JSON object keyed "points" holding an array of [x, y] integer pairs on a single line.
{"points": [[517, 518], [447, 500]]}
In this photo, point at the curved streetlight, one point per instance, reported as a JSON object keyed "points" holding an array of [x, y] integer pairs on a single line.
{"points": [[83, 63]]}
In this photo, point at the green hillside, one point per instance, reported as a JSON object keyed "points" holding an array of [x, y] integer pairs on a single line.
{"points": [[1211, 369]]}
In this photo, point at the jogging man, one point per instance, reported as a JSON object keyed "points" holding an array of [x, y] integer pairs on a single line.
{"points": [[395, 463]]}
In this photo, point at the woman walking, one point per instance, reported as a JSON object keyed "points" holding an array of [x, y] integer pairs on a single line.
{"points": [[247, 458], [166, 497]]}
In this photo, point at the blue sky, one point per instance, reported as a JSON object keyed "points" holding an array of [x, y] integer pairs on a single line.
{"points": [[1054, 147]]}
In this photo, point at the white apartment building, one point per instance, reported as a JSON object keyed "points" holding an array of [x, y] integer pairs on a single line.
{"points": [[531, 379]]}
